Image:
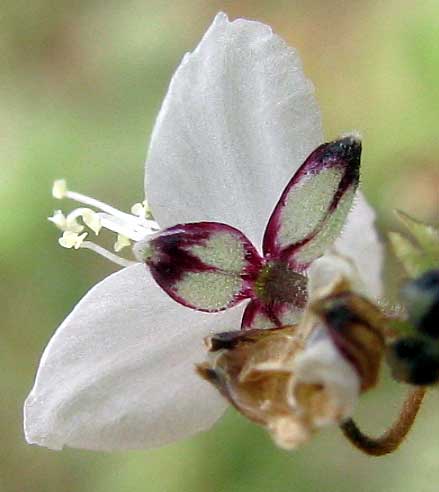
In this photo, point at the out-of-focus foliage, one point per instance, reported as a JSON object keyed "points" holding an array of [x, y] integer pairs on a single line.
{"points": [[419, 252], [80, 85]]}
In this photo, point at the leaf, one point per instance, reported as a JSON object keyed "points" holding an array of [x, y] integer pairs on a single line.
{"points": [[419, 254], [413, 259], [426, 235]]}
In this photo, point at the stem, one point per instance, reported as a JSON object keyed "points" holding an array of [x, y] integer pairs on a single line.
{"points": [[394, 436]]}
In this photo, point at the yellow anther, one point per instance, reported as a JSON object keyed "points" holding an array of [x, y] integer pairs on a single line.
{"points": [[59, 189], [71, 239], [141, 209], [59, 219], [65, 223], [91, 219], [122, 242]]}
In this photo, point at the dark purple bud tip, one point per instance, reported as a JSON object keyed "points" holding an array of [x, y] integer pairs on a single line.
{"points": [[346, 154], [347, 148], [343, 153]]}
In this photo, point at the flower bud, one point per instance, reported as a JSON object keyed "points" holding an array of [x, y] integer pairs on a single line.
{"points": [[421, 298], [414, 360]]}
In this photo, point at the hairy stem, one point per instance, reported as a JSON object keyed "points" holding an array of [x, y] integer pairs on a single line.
{"points": [[393, 437]]}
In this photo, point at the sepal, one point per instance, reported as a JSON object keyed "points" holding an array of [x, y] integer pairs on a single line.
{"points": [[313, 207], [206, 266], [258, 315]]}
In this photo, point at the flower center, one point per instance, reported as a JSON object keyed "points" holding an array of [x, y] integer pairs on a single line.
{"points": [[278, 283], [128, 227]]}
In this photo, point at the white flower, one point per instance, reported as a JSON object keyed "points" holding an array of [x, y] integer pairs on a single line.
{"points": [[238, 120]]}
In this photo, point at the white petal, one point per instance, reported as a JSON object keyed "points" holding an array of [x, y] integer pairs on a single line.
{"points": [[238, 120], [330, 268], [360, 242], [119, 372]]}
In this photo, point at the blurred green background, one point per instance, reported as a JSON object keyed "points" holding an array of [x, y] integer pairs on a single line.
{"points": [[80, 85]]}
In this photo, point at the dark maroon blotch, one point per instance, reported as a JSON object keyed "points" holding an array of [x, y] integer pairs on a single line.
{"points": [[171, 259]]}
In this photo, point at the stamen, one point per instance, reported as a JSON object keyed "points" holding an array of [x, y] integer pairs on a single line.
{"points": [[90, 217], [137, 221], [107, 254], [133, 232], [60, 191], [65, 223], [136, 227]]}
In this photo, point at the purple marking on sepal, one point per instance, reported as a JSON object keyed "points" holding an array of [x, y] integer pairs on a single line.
{"points": [[258, 315], [347, 149], [344, 153], [171, 258], [257, 312]]}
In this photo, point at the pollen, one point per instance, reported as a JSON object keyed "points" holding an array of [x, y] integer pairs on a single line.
{"points": [[71, 239], [141, 209], [59, 189], [122, 242], [91, 220], [65, 223]]}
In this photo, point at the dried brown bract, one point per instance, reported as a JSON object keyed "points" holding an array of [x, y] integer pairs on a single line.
{"points": [[296, 379]]}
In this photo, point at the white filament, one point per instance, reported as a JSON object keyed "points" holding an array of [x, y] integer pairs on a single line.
{"points": [[107, 254]]}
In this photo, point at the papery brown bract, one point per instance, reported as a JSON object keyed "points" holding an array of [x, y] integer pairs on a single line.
{"points": [[253, 370], [293, 380]]}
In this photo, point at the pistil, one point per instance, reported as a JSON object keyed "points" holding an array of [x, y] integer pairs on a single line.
{"points": [[278, 283]]}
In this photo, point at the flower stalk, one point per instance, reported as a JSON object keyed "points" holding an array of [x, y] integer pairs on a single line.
{"points": [[395, 435]]}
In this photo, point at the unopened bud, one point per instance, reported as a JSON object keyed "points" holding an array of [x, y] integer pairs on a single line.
{"points": [[421, 298], [414, 360]]}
